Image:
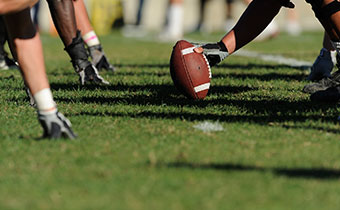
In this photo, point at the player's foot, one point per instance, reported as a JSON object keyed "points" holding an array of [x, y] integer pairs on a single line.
{"points": [[323, 84], [55, 126], [99, 59], [3, 65], [323, 65], [7, 63], [330, 95]]}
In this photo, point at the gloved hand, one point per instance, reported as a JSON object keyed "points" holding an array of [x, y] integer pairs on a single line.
{"points": [[55, 126], [214, 52]]}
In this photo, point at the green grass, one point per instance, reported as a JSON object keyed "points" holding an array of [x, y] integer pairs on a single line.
{"points": [[137, 148]]}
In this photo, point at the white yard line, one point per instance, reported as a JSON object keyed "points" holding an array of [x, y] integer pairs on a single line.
{"points": [[274, 58], [208, 127], [250, 54]]}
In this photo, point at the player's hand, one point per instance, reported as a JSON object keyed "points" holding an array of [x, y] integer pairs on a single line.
{"points": [[55, 126], [90, 74], [214, 52], [99, 59]]}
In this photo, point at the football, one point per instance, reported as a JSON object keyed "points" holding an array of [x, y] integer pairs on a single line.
{"points": [[190, 71]]}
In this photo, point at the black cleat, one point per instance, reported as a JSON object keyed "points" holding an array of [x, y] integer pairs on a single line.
{"points": [[330, 95], [323, 84], [6, 63]]}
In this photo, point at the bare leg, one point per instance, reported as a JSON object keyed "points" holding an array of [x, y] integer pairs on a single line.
{"points": [[174, 28]]}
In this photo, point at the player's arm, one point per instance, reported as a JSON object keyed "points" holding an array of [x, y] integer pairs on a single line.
{"points": [[27, 49], [253, 21], [63, 15], [95, 49]]}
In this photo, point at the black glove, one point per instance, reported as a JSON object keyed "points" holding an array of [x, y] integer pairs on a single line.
{"points": [[79, 58], [214, 52]]}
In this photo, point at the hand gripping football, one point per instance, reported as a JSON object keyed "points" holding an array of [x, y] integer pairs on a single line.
{"points": [[190, 71]]}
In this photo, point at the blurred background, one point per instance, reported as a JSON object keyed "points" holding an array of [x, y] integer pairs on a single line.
{"points": [[151, 16]]}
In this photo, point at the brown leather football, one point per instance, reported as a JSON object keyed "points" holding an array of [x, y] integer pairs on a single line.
{"points": [[190, 71]]}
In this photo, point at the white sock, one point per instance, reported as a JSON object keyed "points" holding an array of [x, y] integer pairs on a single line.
{"points": [[333, 56], [91, 39], [175, 18], [45, 102], [336, 46]]}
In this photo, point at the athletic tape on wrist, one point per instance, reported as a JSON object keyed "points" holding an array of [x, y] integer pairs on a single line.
{"points": [[91, 39], [44, 101]]}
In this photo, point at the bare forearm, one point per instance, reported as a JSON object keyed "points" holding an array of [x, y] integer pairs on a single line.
{"points": [[83, 21], [64, 19], [27, 48]]}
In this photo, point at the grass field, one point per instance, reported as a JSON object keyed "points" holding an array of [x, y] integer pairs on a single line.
{"points": [[138, 148]]}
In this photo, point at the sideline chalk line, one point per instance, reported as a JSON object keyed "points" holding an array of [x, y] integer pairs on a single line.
{"points": [[291, 62]]}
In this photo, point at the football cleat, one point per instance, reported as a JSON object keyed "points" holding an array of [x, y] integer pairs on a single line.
{"points": [[322, 66], [330, 95], [99, 59], [55, 126], [3, 65], [214, 52], [6, 63], [323, 84]]}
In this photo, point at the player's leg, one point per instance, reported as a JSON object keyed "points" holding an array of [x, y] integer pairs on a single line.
{"points": [[328, 13], [27, 49], [63, 15], [90, 38], [229, 22], [174, 28]]}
